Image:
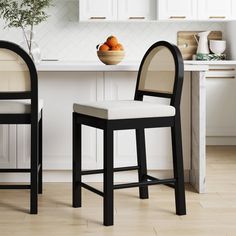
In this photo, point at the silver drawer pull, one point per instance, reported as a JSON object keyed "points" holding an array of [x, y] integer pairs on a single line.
{"points": [[222, 77], [226, 69], [178, 17], [217, 17], [97, 18], [136, 18]]}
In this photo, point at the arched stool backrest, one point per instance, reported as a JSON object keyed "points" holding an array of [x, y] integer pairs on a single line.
{"points": [[18, 76], [161, 73]]}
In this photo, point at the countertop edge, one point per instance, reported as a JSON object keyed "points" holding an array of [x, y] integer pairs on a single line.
{"points": [[91, 67]]}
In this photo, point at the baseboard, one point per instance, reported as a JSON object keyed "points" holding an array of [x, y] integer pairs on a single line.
{"points": [[66, 176], [220, 141]]}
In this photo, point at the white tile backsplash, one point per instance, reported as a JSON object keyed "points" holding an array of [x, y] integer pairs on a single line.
{"points": [[64, 37]]}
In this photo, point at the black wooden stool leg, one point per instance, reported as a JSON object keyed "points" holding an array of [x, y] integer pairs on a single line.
{"points": [[40, 183], [76, 163], [178, 167], [108, 207], [34, 169], [142, 163]]}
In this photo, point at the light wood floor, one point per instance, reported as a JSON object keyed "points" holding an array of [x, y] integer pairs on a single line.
{"points": [[211, 214]]}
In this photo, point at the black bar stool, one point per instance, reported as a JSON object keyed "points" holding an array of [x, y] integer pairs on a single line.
{"points": [[18, 83], [161, 75]]}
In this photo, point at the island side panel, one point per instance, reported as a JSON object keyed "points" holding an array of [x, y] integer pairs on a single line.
{"points": [[198, 163]]}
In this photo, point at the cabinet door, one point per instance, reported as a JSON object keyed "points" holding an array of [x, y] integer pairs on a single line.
{"points": [[158, 140], [136, 10], [221, 85], [59, 93], [215, 9], [94, 10], [7, 146], [177, 10], [121, 86]]}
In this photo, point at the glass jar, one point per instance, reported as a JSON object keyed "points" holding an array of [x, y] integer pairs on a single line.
{"points": [[30, 46]]}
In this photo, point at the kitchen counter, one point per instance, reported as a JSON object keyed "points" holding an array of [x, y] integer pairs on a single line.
{"points": [[94, 81], [47, 66], [209, 63]]}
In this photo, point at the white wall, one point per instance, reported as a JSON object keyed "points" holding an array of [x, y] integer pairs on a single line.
{"points": [[63, 37], [230, 33]]}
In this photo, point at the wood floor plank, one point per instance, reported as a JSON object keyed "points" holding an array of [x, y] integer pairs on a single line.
{"points": [[213, 213]]}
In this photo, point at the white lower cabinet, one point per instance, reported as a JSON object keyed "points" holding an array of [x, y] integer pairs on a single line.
{"points": [[59, 91], [121, 86], [221, 85], [7, 146], [23, 146]]}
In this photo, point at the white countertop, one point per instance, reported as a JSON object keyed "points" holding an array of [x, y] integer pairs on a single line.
{"points": [[67, 66], [226, 62]]}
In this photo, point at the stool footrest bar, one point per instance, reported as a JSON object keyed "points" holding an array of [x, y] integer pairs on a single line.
{"points": [[15, 186], [143, 183], [149, 177], [14, 170], [101, 171], [92, 189]]}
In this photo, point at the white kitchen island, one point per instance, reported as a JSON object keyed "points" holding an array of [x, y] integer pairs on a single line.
{"points": [[62, 83]]}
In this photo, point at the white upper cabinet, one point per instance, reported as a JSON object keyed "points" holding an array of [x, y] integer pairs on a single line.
{"points": [[148, 10], [98, 10], [177, 9], [215, 9], [136, 10]]}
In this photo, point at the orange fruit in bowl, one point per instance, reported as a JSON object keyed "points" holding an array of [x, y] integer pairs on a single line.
{"points": [[112, 41], [115, 48], [111, 52], [104, 47], [118, 47]]}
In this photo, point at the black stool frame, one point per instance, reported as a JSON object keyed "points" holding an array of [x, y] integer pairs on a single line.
{"points": [[109, 126], [35, 120]]}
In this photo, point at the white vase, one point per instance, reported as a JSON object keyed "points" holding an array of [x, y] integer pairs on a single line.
{"points": [[30, 46]]}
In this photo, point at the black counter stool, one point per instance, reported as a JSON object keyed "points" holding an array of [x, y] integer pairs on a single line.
{"points": [[19, 105], [160, 75]]}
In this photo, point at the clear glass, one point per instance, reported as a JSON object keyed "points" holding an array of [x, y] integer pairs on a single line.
{"points": [[30, 46]]}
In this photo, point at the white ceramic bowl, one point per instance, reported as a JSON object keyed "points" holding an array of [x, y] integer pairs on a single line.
{"points": [[218, 46]]}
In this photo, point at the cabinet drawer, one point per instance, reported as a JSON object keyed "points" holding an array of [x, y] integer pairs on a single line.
{"points": [[221, 72]]}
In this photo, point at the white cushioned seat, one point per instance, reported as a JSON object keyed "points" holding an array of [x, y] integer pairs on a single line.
{"points": [[124, 109], [17, 107]]}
